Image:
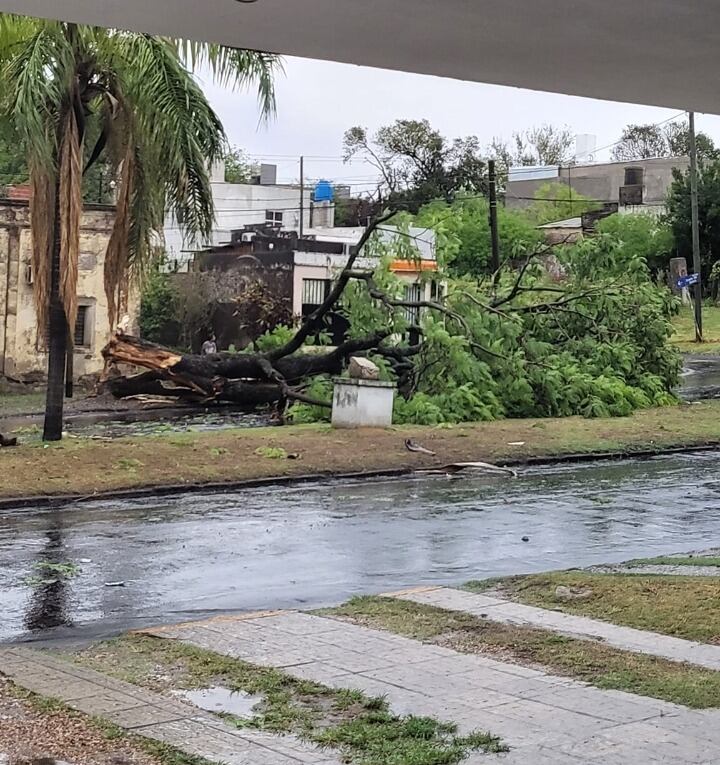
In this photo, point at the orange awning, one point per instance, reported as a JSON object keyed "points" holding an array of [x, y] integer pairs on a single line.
{"points": [[413, 266]]}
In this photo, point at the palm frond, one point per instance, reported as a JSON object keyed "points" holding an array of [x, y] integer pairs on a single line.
{"points": [[237, 67], [174, 119], [39, 74]]}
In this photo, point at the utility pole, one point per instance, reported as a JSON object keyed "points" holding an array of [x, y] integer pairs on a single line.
{"points": [[302, 196], [697, 266], [494, 241]]}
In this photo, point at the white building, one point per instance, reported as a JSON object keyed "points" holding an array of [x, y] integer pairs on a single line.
{"points": [[245, 204], [314, 271]]}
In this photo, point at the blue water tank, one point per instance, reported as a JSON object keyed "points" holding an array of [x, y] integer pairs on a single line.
{"points": [[324, 191]]}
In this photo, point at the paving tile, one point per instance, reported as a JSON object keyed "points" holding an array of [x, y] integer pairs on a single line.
{"points": [[144, 716], [528, 756], [610, 707], [55, 687], [101, 703], [320, 672]]}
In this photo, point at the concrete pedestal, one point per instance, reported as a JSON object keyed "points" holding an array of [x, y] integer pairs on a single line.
{"points": [[362, 403]]}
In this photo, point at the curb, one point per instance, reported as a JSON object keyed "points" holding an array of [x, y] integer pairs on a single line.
{"points": [[218, 487]]}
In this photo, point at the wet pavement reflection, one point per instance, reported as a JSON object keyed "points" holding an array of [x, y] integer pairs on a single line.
{"points": [[192, 556]]}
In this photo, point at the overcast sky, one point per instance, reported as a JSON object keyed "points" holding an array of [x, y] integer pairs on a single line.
{"points": [[318, 101]]}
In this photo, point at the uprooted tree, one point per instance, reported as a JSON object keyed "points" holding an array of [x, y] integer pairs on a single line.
{"points": [[514, 344]]}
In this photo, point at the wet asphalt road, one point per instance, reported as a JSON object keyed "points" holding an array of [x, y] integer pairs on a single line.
{"points": [[192, 556]]}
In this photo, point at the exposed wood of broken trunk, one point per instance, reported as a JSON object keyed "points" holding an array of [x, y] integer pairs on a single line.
{"points": [[247, 379]]}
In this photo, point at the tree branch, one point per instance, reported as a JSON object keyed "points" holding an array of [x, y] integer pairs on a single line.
{"points": [[313, 322]]}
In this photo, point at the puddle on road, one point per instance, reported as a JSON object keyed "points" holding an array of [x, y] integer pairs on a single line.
{"points": [[700, 379], [222, 701]]}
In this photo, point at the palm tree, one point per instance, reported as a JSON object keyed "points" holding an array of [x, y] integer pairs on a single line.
{"points": [[156, 130]]}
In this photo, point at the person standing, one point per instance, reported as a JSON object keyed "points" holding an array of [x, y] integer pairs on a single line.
{"points": [[209, 347]]}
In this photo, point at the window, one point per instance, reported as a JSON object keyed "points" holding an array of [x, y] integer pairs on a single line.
{"points": [[634, 176], [315, 291], [274, 217], [413, 293], [81, 336]]}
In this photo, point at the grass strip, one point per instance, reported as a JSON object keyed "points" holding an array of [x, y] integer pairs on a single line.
{"points": [[681, 606], [594, 663], [361, 728], [670, 560], [85, 466]]}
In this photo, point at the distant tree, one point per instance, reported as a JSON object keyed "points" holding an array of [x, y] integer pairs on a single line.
{"points": [[13, 163], [96, 182], [641, 142], [678, 138], [417, 163], [650, 141], [462, 233], [238, 166], [642, 237], [679, 214], [558, 201], [353, 211], [542, 145]]}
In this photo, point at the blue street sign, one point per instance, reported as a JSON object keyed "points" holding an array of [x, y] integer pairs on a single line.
{"points": [[687, 281]]}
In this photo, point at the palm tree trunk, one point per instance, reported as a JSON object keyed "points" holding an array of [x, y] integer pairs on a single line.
{"points": [[69, 363], [57, 339]]}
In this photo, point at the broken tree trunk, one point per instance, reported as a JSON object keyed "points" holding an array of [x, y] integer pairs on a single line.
{"points": [[247, 379]]}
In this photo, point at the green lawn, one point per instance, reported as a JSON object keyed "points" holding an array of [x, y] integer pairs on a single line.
{"points": [[21, 403], [684, 337]]}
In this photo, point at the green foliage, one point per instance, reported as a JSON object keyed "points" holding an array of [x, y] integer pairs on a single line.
{"points": [[157, 306], [596, 345], [462, 233], [417, 163], [140, 89], [238, 166], [557, 201], [13, 166], [650, 141], [640, 237], [275, 339], [679, 214], [271, 452], [321, 389]]}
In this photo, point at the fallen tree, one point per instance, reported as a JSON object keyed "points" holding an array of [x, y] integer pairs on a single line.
{"points": [[515, 344], [247, 379]]}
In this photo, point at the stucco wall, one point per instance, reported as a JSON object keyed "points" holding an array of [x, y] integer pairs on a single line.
{"points": [[21, 353], [602, 181], [238, 205]]}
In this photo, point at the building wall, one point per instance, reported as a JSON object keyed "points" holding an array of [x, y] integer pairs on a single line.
{"points": [[238, 205], [21, 355], [310, 265], [600, 181]]}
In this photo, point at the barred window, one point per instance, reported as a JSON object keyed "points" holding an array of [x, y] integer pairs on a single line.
{"points": [[81, 335], [413, 294], [315, 291]]}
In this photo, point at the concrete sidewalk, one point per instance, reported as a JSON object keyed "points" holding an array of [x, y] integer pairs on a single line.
{"points": [[153, 716], [581, 627], [546, 720]]}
